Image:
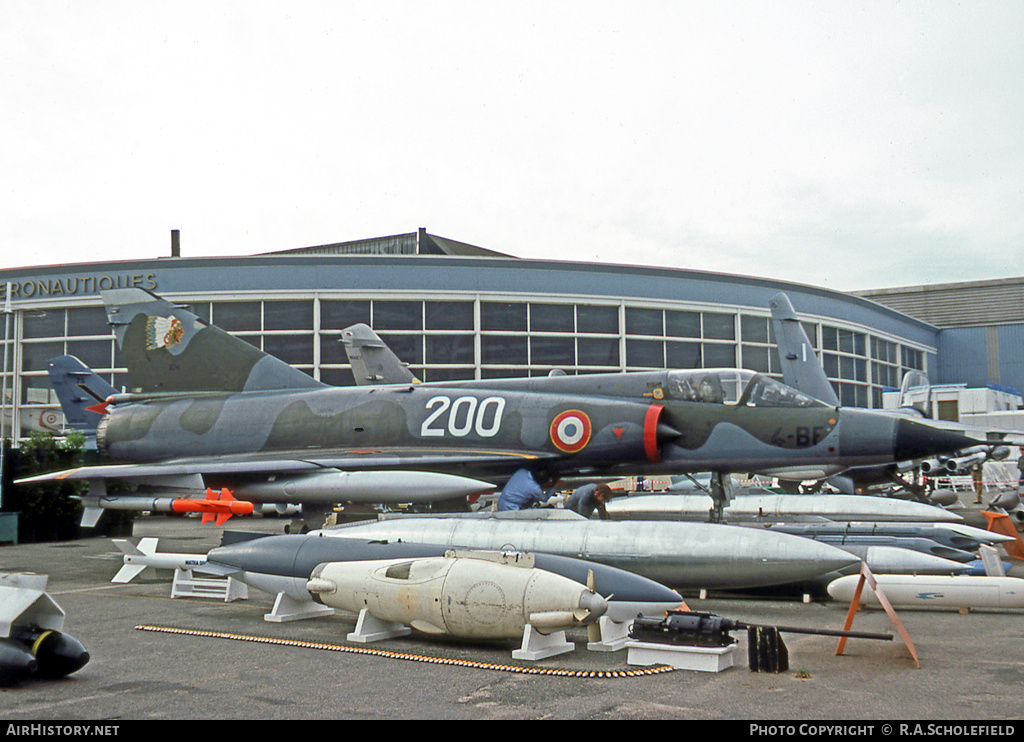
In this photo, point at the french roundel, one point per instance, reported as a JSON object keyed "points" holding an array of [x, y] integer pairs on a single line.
{"points": [[570, 431]]}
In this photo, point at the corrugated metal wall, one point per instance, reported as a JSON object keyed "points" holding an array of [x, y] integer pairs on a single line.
{"points": [[957, 305]]}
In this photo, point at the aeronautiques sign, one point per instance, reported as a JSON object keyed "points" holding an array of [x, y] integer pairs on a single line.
{"points": [[76, 285]]}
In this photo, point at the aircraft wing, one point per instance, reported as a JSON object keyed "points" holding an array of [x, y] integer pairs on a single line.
{"points": [[302, 463]]}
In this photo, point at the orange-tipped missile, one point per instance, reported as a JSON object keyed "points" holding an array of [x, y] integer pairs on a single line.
{"points": [[219, 506]]}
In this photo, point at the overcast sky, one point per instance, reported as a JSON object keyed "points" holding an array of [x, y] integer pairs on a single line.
{"points": [[841, 144]]}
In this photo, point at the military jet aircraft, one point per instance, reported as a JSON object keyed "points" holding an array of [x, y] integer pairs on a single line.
{"points": [[209, 411], [802, 370]]}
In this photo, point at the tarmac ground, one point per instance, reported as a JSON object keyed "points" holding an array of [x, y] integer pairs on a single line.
{"points": [[971, 665]]}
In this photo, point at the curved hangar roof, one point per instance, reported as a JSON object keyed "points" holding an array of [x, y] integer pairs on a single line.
{"points": [[437, 265]]}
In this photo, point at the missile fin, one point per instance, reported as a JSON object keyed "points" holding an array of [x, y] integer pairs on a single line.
{"points": [[128, 572]]}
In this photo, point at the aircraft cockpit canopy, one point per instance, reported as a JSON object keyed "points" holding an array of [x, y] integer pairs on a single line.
{"points": [[735, 386]]}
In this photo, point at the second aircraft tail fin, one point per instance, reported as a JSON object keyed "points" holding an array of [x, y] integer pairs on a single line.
{"points": [[801, 368], [373, 362], [81, 392]]}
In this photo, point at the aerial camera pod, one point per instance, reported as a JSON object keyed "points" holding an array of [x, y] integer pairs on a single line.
{"points": [[463, 594]]}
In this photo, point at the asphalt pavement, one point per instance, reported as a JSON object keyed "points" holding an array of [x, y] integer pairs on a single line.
{"points": [[143, 668]]}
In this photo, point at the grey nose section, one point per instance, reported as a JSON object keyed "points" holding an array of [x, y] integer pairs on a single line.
{"points": [[918, 440], [594, 604]]}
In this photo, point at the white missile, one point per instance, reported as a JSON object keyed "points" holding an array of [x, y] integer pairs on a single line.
{"points": [[364, 486], [138, 558], [897, 560], [767, 508], [473, 595], [925, 591], [978, 534]]}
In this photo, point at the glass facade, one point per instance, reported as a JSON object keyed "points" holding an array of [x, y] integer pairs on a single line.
{"points": [[463, 337]]}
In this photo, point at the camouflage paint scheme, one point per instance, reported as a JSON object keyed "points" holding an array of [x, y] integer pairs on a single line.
{"points": [[209, 404]]}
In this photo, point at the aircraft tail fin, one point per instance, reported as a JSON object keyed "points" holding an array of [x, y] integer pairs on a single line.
{"points": [[81, 392], [167, 348], [373, 362], [801, 368]]}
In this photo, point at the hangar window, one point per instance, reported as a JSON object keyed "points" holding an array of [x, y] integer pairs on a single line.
{"points": [[337, 376], [504, 350], [754, 329], [885, 374], [448, 315], [288, 315], [853, 395], [755, 358], [408, 348], [35, 355], [645, 353], [237, 316], [292, 349], [913, 359], [48, 324], [37, 390], [397, 315], [682, 355], [845, 341], [450, 349], [598, 351], [337, 315], [682, 324], [719, 326], [719, 355], [597, 319], [496, 372], [502, 316], [552, 318], [332, 350], [435, 373], [88, 321], [884, 351], [644, 322], [552, 351], [93, 353]]}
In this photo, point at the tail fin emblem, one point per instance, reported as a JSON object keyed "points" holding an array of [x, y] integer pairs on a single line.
{"points": [[163, 332]]}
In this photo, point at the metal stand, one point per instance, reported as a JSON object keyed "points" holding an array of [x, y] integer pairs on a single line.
{"points": [[538, 646], [289, 609], [370, 629]]}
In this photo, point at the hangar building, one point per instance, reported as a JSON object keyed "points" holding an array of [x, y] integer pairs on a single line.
{"points": [[457, 311]]}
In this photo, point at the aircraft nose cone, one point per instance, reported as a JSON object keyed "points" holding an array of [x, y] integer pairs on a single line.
{"points": [[918, 440]]}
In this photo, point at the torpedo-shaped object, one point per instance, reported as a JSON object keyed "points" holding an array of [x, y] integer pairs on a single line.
{"points": [[768, 508], [365, 486], [898, 560], [284, 563], [691, 555]]}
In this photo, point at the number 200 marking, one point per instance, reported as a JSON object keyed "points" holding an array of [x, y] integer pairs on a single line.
{"points": [[466, 414]]}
